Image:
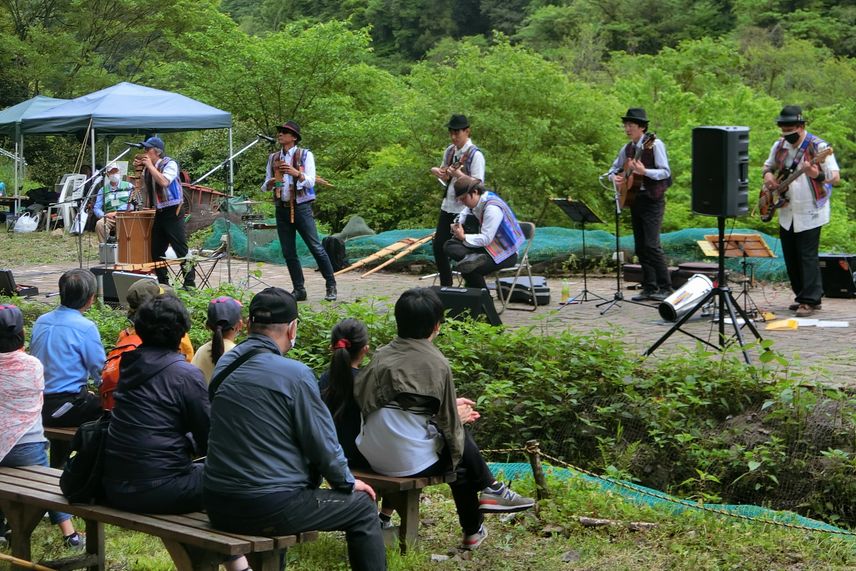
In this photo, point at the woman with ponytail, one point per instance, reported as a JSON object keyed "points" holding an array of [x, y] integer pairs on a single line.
{"points": [[349, 343], [224, 321]]}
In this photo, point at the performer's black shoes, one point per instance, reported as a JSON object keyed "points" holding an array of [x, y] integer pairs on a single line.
{"points": [[331, 293], [644, 295], [661, 295], [299, 294]]}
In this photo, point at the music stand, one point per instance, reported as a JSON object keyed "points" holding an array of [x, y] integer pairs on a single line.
{"points": [[726, 300], [742, 246], [580, 213]]}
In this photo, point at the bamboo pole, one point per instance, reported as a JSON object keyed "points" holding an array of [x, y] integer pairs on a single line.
{"points": [[413, 245], [24, 563], [394, 247]]}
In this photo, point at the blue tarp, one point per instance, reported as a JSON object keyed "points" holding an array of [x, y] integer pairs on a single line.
{"points": [[127, 108], [12, 116]]}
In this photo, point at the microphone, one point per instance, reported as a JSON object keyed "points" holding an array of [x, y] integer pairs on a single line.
{"points": [[266, 138], [137, 145]]}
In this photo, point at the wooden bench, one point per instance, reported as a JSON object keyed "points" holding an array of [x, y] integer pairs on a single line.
{"points": [[403, 495], [60, 439], [27, 492]]}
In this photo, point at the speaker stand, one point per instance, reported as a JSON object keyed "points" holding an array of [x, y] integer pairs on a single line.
{"points": [[725, 302]]}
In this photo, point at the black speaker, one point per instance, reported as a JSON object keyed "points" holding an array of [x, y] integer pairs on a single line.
{"points": [[108, 288], [720, 171], [838, 273], [473, 301]]}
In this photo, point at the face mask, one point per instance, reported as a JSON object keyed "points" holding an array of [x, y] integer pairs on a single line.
{"points": [[792, 137], [114, 179]]}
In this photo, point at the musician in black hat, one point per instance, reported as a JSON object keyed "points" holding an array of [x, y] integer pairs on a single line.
{"points": [[805, 207], [460, 158], [291, 176], [644, 159]]}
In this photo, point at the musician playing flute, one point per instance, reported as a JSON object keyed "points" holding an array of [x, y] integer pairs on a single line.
{"points": [[162, 189], [644, 159], [806, 208], [290, 175], [460, 158]]}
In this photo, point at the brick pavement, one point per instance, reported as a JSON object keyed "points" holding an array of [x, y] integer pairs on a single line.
{"points": [[831, 349]]}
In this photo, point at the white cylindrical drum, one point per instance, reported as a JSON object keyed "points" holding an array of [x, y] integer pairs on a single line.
{"points": [[685, 298]]}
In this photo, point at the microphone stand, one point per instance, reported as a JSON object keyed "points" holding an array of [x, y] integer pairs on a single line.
{"points": [[619, 295], [230, 188]]}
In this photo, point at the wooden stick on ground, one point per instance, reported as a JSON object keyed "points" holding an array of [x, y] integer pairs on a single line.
{"points": [[413, 245], [394, 247], [24, 563]]}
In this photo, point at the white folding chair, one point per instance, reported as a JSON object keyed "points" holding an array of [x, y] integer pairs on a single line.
{"points": [[518, 269]]}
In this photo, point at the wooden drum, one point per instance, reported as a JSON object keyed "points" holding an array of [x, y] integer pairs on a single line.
{"points": [[134, 235]]}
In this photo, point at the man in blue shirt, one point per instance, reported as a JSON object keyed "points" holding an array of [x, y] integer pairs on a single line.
{"points": [[272, 439], [70, 350]]}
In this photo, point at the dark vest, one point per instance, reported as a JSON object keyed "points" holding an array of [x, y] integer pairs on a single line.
{"points": [[655, 188]]}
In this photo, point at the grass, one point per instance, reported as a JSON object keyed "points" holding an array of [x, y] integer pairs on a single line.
{"points": [[691, 542], [37, 248]]}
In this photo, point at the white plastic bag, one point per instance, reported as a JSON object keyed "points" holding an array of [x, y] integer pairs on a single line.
{"points": [[27, 222]]}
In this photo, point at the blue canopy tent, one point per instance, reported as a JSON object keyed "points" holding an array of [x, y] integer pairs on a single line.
{"points": [[127, 108], [10, 125]]}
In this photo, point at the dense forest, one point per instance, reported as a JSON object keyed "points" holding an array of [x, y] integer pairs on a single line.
{"points": [[373, 83]]}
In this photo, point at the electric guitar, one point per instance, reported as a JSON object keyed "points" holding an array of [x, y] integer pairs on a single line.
{"points": [[772, 198], [627, 189]]}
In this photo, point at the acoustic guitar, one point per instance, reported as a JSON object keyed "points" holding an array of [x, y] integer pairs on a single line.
{"points": [[772, 198], [631, 184]]}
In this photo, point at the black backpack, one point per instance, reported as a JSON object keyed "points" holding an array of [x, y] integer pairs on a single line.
{"points": [[80, 481], [335, 248]]}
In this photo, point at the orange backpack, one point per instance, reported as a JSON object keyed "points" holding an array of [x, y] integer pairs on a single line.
{"points": [[128, 341]]}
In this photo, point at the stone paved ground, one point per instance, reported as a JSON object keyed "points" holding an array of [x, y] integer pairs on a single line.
{"points": [[832, 349]]}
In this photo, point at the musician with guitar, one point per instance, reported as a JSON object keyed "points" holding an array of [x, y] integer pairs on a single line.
{"points": [[641, 175], [798, 179], [291, 176], [461, 158]]}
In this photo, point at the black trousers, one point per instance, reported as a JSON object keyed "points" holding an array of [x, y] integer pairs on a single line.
{"points": [[177, 494], [457, 250], [286, 513], [473, 475], [443, 234], [168, 230], [800, 252], [85, 406], [646, 215]]}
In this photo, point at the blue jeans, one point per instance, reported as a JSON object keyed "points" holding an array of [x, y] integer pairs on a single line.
{"points": [[32, 454], [304, 224]]}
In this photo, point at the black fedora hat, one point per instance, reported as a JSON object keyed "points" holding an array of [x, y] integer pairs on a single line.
{"points": [[636, 115], [290, 127], [458, 122], [790, 114]]}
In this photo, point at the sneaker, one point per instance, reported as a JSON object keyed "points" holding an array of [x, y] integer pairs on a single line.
{"points": [[331, 293], [385, 522], [805, 310], [75, 541], [299, 294], [473, 541], [644, 295], [470, 263], [662, 294], [503, 500]]}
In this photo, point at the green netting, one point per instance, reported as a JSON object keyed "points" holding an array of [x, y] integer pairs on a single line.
{"points": [[641, 495], [551, 245]]}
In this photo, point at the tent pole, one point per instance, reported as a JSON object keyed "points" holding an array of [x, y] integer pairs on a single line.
{"points": [[17, 157], [231, 185]]}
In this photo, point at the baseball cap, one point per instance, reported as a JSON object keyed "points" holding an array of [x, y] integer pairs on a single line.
{"points": [[273, 305], [224, 311], [11, 320], [155, 142], [142, 291]]}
